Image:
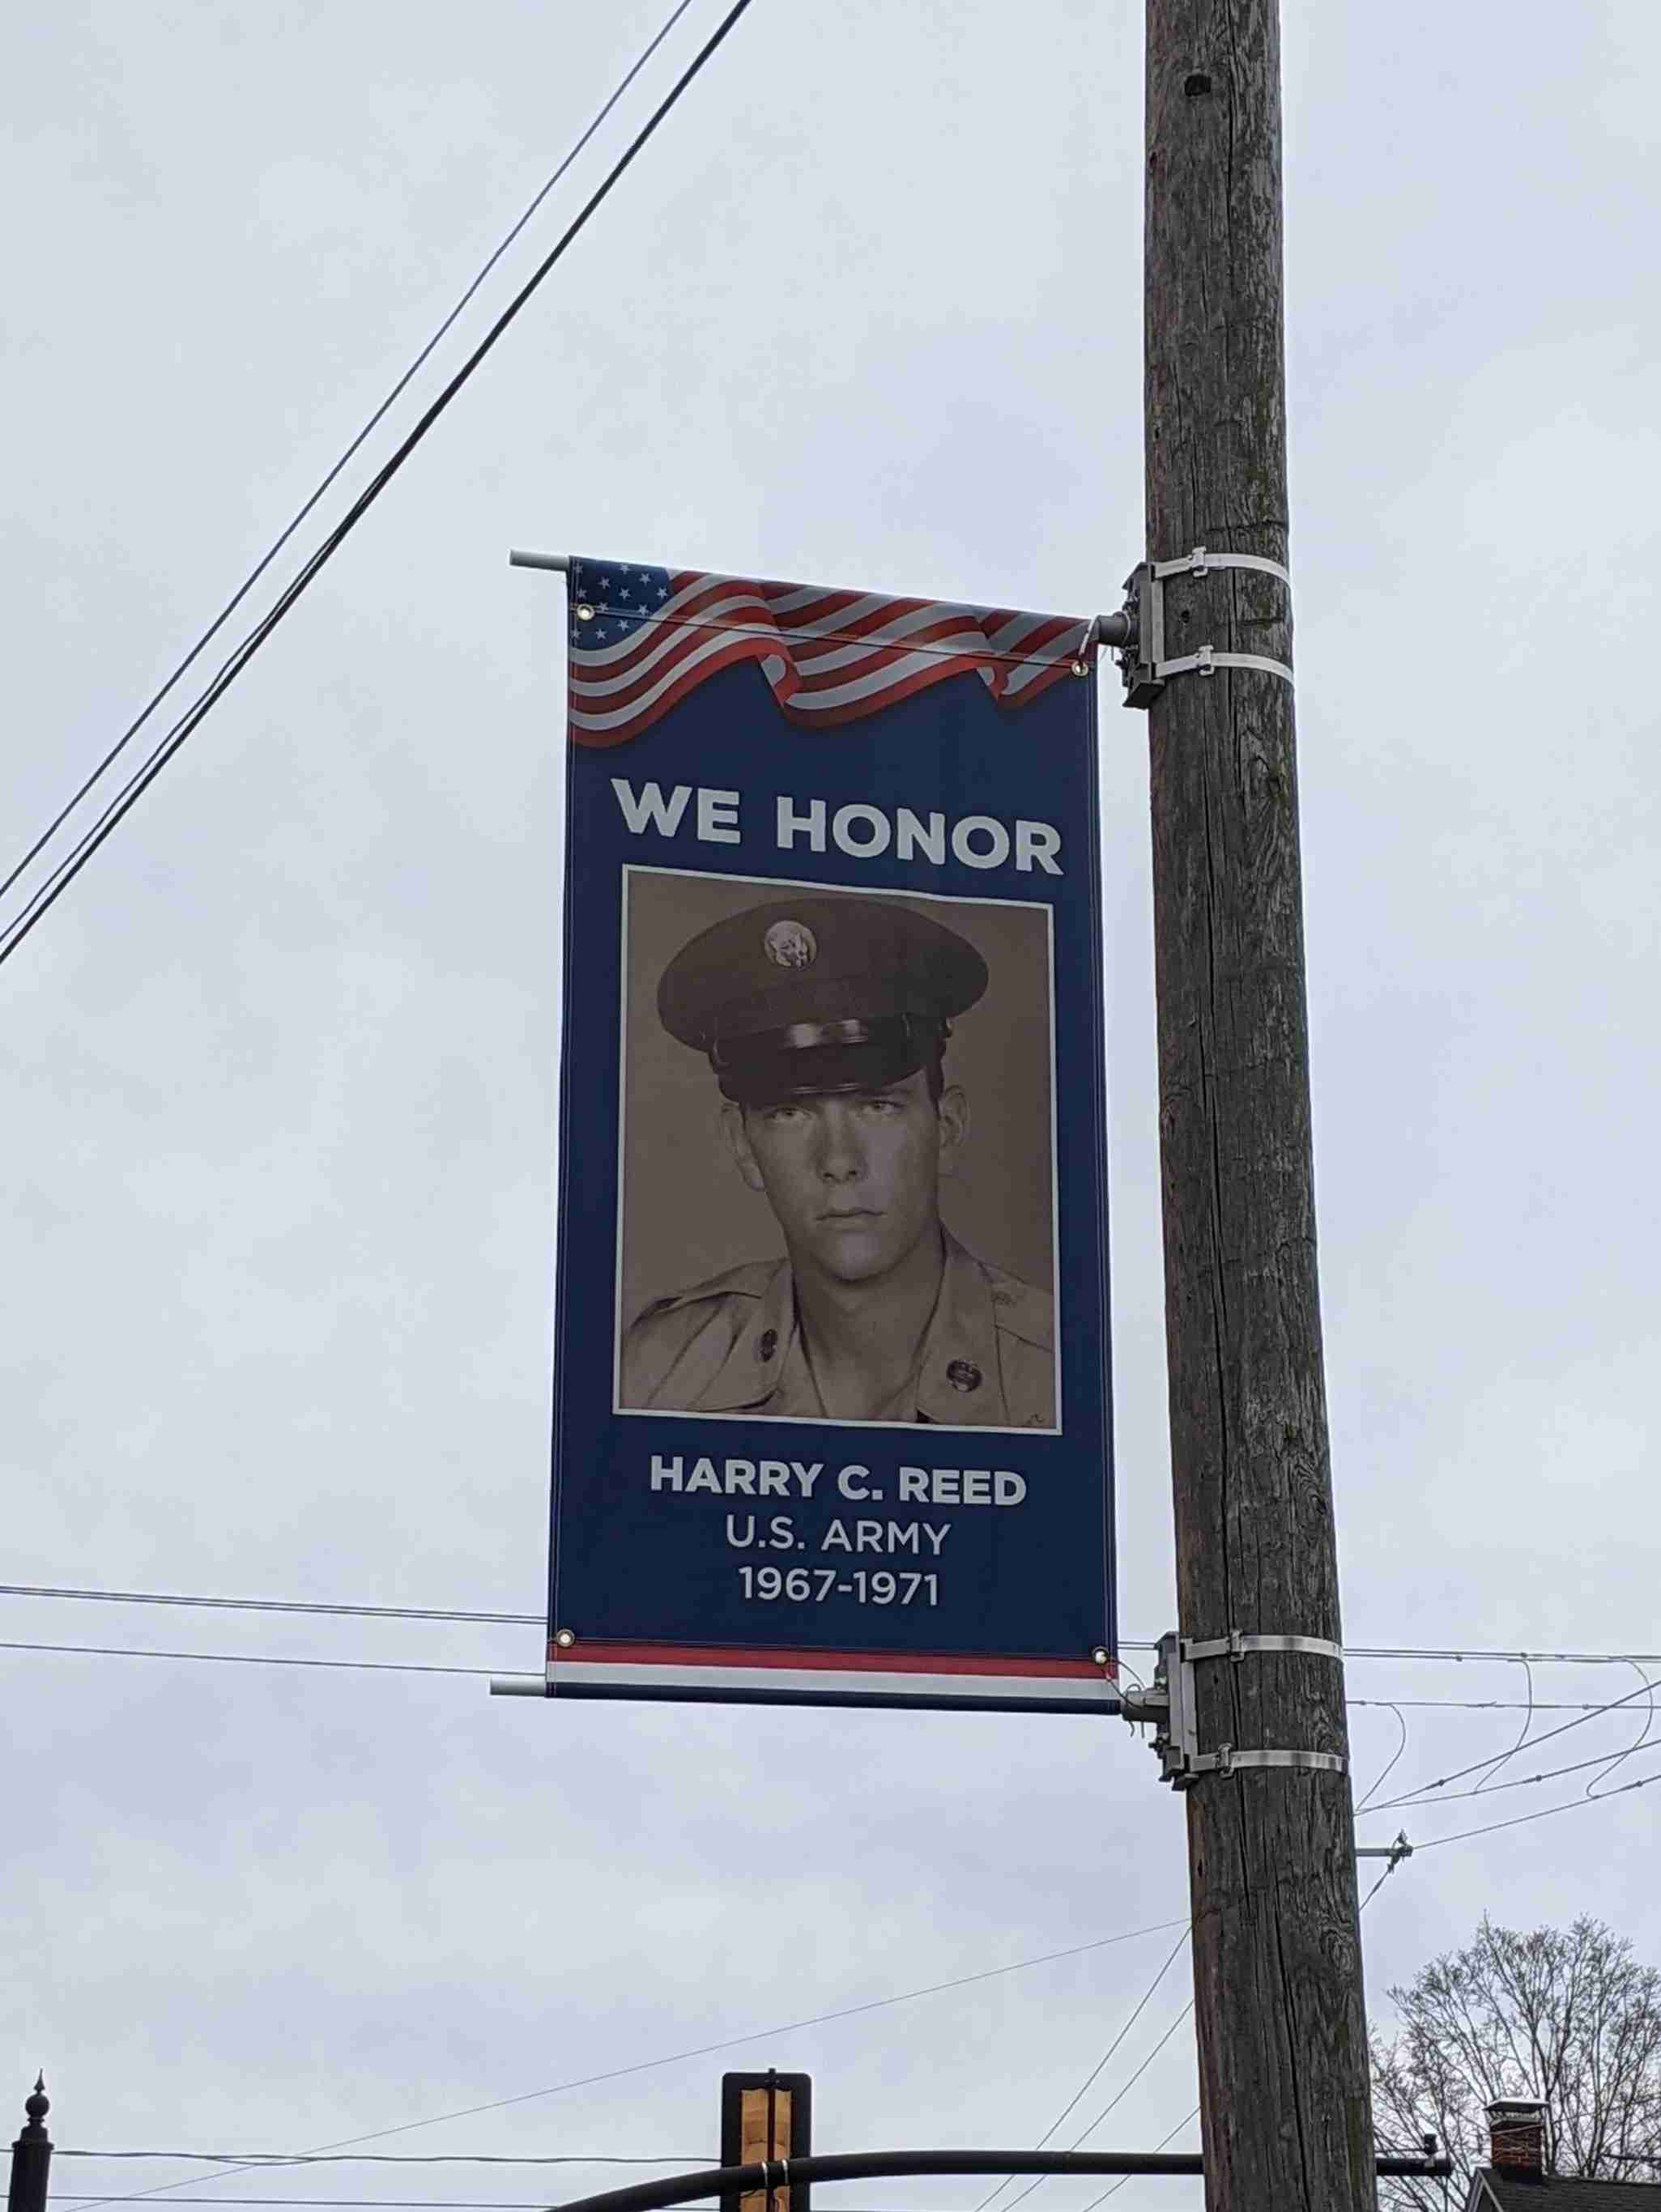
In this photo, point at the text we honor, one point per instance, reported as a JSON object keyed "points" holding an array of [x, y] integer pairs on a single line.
{"points": [[861, 832]]}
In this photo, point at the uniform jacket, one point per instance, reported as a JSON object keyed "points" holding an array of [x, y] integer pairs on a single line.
{"points": [[733, 1345]]}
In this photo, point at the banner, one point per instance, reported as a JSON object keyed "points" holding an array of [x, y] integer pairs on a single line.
{"points": [[831, 1417]]}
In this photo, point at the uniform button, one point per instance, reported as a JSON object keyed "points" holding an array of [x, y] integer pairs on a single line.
{"points": [[964, 1374], [768, 1344]]}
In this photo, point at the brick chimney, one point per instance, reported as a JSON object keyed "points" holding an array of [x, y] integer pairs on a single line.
{"points": [[1517, 2138]]}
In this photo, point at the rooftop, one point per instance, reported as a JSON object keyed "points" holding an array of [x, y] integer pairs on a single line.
{"points": [[1565, 2192]]}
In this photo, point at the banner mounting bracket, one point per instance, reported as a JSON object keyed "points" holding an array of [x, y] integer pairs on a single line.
{"points": [[1144, 664], [1169, 1704]]}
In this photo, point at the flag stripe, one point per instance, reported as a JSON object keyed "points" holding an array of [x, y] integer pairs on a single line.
{"points": [[642, 638]]}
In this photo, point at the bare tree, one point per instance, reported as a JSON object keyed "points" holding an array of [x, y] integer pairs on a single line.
{"points": [[1566, 2016]]}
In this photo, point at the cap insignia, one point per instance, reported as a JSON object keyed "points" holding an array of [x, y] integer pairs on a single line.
{"points": [[791, 944]]}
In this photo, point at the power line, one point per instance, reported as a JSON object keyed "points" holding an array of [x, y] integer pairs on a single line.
{"points": [[1538, 1658], [1379, 1782], [257, 1659], [1131, 2080], [278, 1604], [1480, 1765], [253, 2159], [1160, 2145], [1526, 1781], [378, 416], [257, 2158], [353, 1611], [1116, 2186], [326, 2153], [481, 1673], [1484, 1705], [133, 790], [1571, 1805], [1142, 2003]]}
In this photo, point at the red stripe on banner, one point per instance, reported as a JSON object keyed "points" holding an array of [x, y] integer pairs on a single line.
{"points": [[874, 1662], [855, 710], [609, 691], [740, 649], [857, 629]]}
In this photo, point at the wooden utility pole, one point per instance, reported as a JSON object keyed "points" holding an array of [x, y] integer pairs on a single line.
{"points": [[1283, 2030]]}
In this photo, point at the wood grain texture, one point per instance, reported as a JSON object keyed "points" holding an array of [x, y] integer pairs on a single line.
{"points": [[758, 2140], [1282, 2032]]}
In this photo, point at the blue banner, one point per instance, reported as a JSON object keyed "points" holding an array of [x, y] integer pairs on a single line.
{"points": [[831, 1406]]}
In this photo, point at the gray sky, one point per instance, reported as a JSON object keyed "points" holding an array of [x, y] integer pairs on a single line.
{"points": [[280, 1070]]}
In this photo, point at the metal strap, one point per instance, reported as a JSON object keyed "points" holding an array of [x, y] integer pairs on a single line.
{"points": [[1226, 1758], [1197, 563], [1207, 660], [1238, 1642]]}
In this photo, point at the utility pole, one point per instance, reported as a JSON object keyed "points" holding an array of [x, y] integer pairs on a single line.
{"points": [[1286, 2108]]}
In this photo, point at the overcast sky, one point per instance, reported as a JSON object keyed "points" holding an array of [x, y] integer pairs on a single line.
{"points": [[279, 1071]]}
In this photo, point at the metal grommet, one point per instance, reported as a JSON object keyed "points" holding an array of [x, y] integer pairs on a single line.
{"points": [[1101, 1656], [585, 612], [565, 1637], [1081, 668]]}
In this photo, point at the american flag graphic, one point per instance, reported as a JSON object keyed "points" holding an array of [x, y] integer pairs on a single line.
{"points": [[642, 638]]}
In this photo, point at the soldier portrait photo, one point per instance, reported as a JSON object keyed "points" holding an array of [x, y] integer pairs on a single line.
{"points": [[838, 1177]]}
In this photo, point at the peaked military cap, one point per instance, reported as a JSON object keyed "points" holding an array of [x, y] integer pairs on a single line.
{"points": [[806, 995]]}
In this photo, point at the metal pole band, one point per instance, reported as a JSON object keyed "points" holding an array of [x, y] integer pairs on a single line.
{"points": [[1207, 660], [1197, 563], [1225, 1760], [1239, 1643], [1142, 661]]}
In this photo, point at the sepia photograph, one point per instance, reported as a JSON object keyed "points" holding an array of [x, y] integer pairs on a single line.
{"points": [[837, 1155]]}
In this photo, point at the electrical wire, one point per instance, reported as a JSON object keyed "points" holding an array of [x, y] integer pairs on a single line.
{"points": [[1481, 1765], [374, 420], [326, 2153], [1523, 1733], [59, 881], [497, 1674], [276, 1605], [262, 1659], [1484, 1705], [1378, 1886], [1638, 1743], [1115, 2187], [1395, 1755], [353, 1611], [1160, 2145], [1530, 1781], [1571, 1805], [251, 2159], [1077, 2097], [1131, 2080]]}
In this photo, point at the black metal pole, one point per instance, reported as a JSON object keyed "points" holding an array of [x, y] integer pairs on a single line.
{"points": [[890, 2164], [31, 2154]]}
